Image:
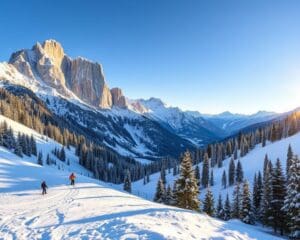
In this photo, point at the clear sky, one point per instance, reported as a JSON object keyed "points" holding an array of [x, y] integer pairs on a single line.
{"points": [[210, 56]]}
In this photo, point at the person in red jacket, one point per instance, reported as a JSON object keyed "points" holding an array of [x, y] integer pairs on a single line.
{"points": [[72, 178]]}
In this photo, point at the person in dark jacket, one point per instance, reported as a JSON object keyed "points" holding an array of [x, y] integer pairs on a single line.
{"points": [[44, 187]]}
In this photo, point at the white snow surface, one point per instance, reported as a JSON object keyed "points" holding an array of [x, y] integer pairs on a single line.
{"points": [[92, 209]]}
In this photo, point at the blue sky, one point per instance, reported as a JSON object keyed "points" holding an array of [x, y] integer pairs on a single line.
{"points": [[210, 56]]}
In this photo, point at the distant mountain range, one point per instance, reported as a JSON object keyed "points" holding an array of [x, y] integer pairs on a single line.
{"points": [[76, 89]]}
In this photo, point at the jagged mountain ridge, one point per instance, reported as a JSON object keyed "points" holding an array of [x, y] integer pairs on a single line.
{"points": [[48, 62], [79, 85], [127, 133]]}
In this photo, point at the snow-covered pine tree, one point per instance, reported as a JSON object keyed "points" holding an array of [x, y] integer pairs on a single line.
{"points": [[239, 176], [160, 193], [279, 191], [292, 199], [220, 209], [227, 209], [127, 182], [247, 214], [224, 179], [187, 191], [266, 206], [231, 172], [236, 205], [208, 204], [205, 171], [169, 200]]}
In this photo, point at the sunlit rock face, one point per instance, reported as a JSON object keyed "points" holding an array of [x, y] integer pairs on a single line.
{"points": [[118, 99], [48, 63]]}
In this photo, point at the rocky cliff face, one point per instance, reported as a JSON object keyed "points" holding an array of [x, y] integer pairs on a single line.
{"points": [[48, 63], [118, 99]]}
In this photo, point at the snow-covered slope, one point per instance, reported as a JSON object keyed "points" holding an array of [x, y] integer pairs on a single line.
{"points": [[91, 209], [45, 145], [252, 163], [231, 123], [187, 125]]}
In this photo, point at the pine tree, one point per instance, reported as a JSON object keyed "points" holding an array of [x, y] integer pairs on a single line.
{"points": [[208, 204], [205, 171], [224, 180], [220, 210], [40, 159], [48, 161], [236, 208], [235, 152], [266, 162], [62, 154], [264, 139], [18, 149], [33, 146], [231, 172], [289, 159], [211, 179], [169, 196], [197, 175], [239, 176], [187, 191], [266, 207], [247, 214], [278, 194], [227, 209], [160, 193], [127, 182], [292, 199], [257, 193]]}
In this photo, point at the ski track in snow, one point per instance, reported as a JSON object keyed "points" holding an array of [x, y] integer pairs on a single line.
{"points": [[92, 209]]}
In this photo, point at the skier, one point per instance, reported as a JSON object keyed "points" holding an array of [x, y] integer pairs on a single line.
{"points": [[44, 187], [72, 178]]}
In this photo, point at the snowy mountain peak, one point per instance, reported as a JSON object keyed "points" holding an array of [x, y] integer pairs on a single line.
{"points": [[153, 103]]}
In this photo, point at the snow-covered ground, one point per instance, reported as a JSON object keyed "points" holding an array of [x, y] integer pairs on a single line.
{"points": [[251, 163], [92, 209]]}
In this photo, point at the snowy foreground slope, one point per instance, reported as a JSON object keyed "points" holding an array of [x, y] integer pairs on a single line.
{"points": [[92, 210]]}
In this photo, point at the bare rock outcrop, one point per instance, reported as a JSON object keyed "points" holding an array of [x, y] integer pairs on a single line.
{"points": [[49, 63], [118, 99]]}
